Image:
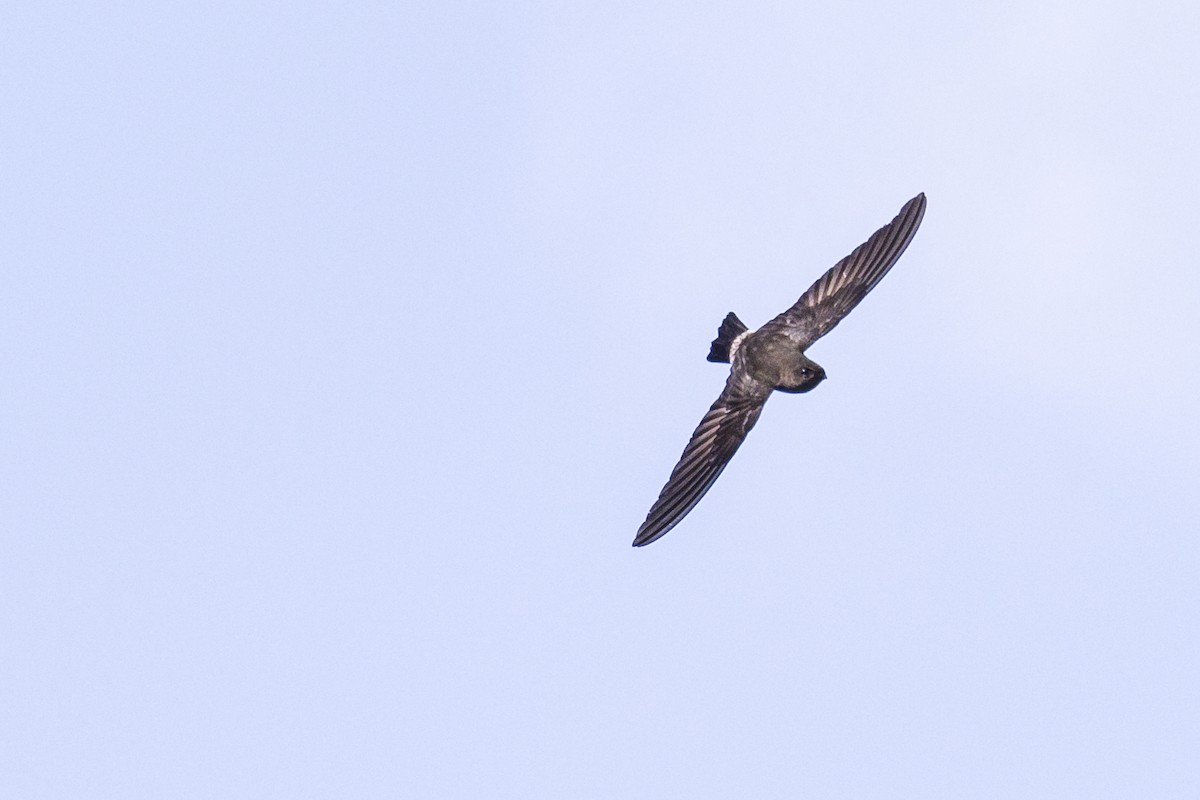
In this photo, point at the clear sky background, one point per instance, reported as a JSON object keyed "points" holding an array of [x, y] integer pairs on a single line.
{"points": [[345, 346]]}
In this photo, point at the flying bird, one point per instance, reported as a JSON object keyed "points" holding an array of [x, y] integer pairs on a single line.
{"points": [[772, 359]]}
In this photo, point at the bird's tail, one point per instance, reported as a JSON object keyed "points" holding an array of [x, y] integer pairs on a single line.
{"points": [[730, 329]]}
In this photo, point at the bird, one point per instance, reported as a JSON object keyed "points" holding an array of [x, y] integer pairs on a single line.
{"points": [[772, 359]]}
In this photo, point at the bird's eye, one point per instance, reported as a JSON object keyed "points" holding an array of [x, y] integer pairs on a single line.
{"points": [[806, 372]]}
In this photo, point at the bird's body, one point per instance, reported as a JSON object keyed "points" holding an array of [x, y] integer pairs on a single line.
{"points": [[773, 359]]}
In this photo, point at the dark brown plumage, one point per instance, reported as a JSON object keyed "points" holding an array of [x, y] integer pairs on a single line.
{"points": [[772, 358]]}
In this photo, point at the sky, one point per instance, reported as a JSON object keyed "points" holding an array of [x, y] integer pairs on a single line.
{"points": [[344, 347]]}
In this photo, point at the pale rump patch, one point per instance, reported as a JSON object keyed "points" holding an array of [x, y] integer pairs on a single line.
{"points": [[736, 343]]}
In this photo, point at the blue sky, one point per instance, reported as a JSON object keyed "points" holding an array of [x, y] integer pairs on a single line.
{"points": [[345, 346]]}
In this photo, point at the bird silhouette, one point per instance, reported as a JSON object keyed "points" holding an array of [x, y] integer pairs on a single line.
{"points": [[772, 359]]}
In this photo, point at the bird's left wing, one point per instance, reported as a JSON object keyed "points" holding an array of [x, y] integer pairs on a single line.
{"points": [[712, 445]]}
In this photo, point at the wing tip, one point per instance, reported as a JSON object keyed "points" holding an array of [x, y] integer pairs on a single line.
{"points": [[647, 535], [906, 223]]}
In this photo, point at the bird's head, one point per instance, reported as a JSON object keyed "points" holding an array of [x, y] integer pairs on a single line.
{"points": [[811, 374], [805, 377]]}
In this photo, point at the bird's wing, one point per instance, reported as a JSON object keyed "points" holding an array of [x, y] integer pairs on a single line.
{"points": [[842, 288], [712, 445]]}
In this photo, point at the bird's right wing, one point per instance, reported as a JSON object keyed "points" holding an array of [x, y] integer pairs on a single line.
{"points": [[847, 282], [712, 445]]}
